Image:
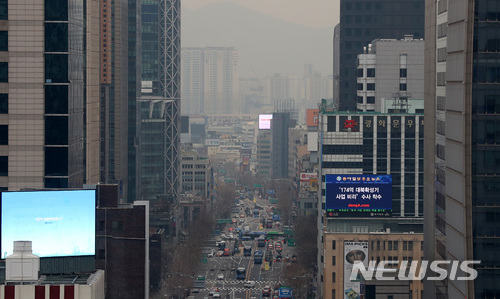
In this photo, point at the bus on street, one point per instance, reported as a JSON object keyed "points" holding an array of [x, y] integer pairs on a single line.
{"points": [[247, 251]]}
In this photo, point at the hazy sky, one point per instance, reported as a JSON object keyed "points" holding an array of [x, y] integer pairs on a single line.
{"points": [[310, 13]]}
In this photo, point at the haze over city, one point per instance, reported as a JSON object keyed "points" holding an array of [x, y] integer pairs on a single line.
{"points": [[276, 36]]}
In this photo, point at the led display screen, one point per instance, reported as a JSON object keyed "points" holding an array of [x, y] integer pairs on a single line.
{"points": [[59, 223], [362, 195], [265, 121]]}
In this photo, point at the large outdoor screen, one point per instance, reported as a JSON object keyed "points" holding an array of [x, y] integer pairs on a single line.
{"points": [[59, 223], [358, 195], [265, 121]]}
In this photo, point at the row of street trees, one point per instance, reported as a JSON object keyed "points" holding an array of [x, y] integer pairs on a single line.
{"points": [[181, 260]]}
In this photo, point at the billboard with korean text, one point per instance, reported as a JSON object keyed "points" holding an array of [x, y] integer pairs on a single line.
{"points": [[265, 121], [358, 195]]}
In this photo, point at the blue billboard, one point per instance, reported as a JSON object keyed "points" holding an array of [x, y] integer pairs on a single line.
{"points": [[361, 195]]}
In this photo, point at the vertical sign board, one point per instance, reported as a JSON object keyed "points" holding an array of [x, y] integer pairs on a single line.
{"points": [[354, 252]]}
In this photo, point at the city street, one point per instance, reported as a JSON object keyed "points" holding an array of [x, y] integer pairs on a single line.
{"points": [[220, 271]]}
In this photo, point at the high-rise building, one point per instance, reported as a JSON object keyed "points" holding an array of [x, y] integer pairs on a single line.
{"points": [[210, 80], [42, 95], [113, 115], [357, 148], [159, 115], [461, 169], [279, 144], [362, 21], [391, 76]]}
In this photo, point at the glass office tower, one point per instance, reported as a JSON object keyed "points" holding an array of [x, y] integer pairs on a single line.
{"points": [[462, 154], [362, 21]]}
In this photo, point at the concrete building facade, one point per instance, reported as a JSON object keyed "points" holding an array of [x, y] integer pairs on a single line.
{"points": [[462, 92], [210, 80], [390, 69]]}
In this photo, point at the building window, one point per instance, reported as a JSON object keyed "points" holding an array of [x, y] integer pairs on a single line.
{"points": [[402, 73], [410, 245], [117, 225], [402, 86], [4, 134], [370, 73], [56, 183], [359, 73], [4, 165], [56, 10], [395, 245], [333, 276], [370, 86], [370, 100], [4, 103], [4, 40], [378, 245], [333, 244], [56, 130], [4, 9], [56, 161], [389, 245], [333, 261], [4, 72], [405, 245], [56, 37], [56, 99], [56, 68], [360, 86]]}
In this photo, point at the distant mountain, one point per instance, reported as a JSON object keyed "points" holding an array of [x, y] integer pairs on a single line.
{"points": [[266, 45]]}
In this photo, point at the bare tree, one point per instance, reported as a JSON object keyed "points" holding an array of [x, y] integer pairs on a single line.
{"points": [[306, 233], [297, 277], [225, 200], [286, 196], [182, 260]]}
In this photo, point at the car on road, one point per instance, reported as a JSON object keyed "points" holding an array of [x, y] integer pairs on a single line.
{"points": [[213, 291], [220, 276], [227, 252], [211, 253], [266, 291], [294, 258], [216, 295], [220, 253], [242, 216], [249, 284]]}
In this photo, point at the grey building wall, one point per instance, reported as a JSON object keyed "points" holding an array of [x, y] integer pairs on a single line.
{"points": [[279, 145], [362, 21]]}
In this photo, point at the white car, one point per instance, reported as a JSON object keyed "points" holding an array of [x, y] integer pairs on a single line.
{"points": [[231, 236], [211, 253], [249, 284], [216, 295], [220, 276]]}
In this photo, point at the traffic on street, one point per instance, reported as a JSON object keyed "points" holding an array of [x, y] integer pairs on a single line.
{"points": [[247, 258]]}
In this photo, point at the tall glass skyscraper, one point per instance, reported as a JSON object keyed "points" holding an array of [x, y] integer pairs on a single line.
{"points": [[362, 21], [462, 154], [159, 110]]}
